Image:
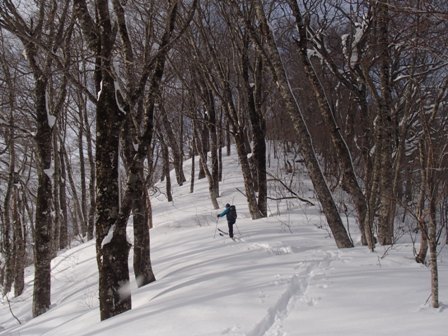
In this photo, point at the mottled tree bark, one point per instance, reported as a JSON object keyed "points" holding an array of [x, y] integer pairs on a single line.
{"points": [[292, 106], [19, 247], [344, 157], [112, 247], [44, 220], [387, 198]]}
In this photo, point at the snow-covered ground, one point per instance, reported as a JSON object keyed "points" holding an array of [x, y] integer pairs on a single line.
{"points": [[283, 276]]}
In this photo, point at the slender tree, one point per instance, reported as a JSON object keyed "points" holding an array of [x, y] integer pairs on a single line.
{"points": [[274, 60], [39, 43]]}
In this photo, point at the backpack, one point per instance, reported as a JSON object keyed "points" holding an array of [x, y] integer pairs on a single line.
{"points": [[232, 214]]}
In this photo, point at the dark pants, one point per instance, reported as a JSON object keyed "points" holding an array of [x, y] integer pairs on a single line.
{"points": [[230, 229]]}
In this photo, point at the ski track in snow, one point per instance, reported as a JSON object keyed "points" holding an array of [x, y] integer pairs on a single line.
{"points": [[272, 322]]}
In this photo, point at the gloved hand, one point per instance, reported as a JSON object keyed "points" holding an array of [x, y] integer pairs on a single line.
{"points": [[217, 216]]}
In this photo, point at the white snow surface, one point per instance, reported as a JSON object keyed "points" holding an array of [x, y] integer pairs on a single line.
{"points": [[284, 276]]}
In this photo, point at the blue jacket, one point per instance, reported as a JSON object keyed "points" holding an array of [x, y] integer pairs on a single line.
{"points": [[226, 213]]}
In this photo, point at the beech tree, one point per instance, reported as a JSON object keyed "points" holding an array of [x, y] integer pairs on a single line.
{"points": [[114, 107], [39, 44], [217, 77], [156, 77], [264, 37]]}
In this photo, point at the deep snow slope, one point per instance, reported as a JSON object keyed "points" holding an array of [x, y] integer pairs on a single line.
{"points": [[282, 276]]}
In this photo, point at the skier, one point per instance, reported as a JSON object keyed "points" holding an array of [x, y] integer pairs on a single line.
{"points": [[230, 213]]}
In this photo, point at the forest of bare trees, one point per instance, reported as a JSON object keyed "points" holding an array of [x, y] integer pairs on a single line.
{"points": [[99, 100]]}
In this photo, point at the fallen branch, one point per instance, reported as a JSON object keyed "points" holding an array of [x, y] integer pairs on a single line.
{"points": [[296, 196]]}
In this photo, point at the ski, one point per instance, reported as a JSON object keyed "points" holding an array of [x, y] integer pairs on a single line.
{"points": [[221, 232]]}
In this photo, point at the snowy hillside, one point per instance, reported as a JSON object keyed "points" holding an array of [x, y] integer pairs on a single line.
{"points": [[283, 276]]}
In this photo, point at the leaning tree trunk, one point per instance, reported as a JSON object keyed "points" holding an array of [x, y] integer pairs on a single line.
{"points": [[349, 179], [329, 207]]}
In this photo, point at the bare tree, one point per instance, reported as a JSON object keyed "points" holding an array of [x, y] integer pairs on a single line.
{"points": [[113, 108], [349, 180], [111, 243], [39, 43], [217, 76], [274, 60]]}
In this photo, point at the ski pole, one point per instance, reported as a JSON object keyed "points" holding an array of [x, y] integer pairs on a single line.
{"points": [[239, 232], [216, 227]]}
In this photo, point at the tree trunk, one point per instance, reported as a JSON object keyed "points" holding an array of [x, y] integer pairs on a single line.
{"points": [[56, 193], [203, 162], [175, 148], [112, 248], [213, 142], [78, 217], [44, 220], [273, 57], [344, 157], [253, 93], [92, 180], [421, 222], [387, 199], [82, 170], [7, 248], [432, 233], [166, 171], [19, 247], [63, 232], [192, 151], [142, 261]]}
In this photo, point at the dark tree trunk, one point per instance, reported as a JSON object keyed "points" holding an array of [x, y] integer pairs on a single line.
{"points": [[112, 246], [92, 181], [175, 148], [203, 163], [44, 221], [387, 199], [344, 157], [304, 138], [213, 142], [19, 247], [63, 232], [258, 122], [77, 212], [82, 170], [192, 155], [142, 261], [56, 194], [203, 138], [7, 246], [166, 171]]}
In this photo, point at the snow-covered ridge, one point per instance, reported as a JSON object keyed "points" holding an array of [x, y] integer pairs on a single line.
{"points": [[284, 276]]}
